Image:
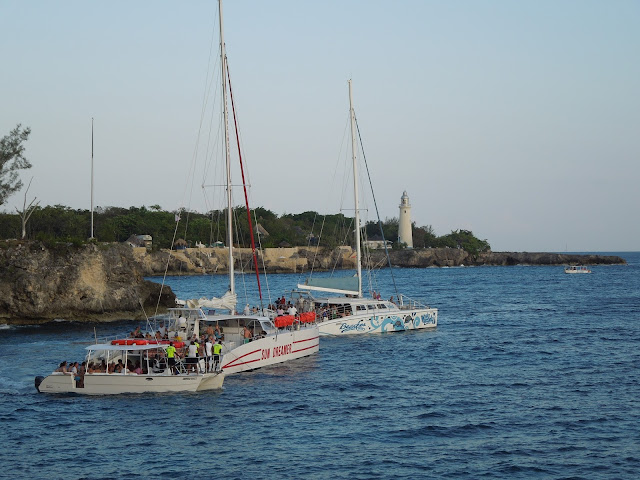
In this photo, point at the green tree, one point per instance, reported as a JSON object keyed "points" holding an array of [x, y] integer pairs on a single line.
{"points": [[12, 160], [466, 240]]}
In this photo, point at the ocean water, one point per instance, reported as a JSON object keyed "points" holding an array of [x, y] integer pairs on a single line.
{"points": [[530, 373]]}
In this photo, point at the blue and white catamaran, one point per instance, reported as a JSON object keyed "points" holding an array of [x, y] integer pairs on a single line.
{"points": [[350, 313]]}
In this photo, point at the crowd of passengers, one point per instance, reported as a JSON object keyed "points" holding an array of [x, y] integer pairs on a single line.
{"points": [[284, 307], [324, 312]]}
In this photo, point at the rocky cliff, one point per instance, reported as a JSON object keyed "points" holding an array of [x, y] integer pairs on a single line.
{"points": [[105, 282], [196, 261], [301, 259], [74, 283], [453, 257]]}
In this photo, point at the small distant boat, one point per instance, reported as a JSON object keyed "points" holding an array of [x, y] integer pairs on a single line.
{"points": [[156, 375], [577, 269]]}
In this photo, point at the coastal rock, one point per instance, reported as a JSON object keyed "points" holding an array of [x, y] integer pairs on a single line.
{"points": [[454, 257], [205, 260], [197, 261], [90, 282]]}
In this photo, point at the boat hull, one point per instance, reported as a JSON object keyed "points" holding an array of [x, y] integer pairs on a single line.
{"points": [[114, 383], [287, 344], [397, 321]]}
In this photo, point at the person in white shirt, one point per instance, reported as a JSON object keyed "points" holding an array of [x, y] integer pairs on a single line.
{"points": [[247, 310], [208, 351], [192, 359], [292, 310]]}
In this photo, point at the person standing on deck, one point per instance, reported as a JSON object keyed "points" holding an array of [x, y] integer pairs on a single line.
{"points": [[217, 350], [208, 350], [192, 360], [171, 358]]}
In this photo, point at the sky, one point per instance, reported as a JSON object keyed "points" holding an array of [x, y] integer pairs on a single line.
{"points": [[519, 121]]}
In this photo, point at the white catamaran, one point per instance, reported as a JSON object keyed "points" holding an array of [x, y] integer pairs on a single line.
{"points": [[249, 341], [350, 313], [144, 369]]}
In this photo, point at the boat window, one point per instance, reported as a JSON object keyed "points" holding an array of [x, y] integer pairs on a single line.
{"points": [[382, 306]]}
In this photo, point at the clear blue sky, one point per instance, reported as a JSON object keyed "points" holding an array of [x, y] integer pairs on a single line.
{"points": [[517, 120]]}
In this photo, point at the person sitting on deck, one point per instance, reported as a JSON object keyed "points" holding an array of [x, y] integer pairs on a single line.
{"points": [[62, 368]]}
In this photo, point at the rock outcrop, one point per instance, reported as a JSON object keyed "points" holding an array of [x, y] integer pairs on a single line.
{"points": [[83, 283], [302, 259], [105, 281], [199, 261], [453, 257]]}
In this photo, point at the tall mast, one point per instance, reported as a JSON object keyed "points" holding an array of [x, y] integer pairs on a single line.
{"points": [[355, 189], [91, 178], [223, 59]]}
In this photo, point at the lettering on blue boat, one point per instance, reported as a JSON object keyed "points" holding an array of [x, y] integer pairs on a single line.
{"points": [[358, 327]]}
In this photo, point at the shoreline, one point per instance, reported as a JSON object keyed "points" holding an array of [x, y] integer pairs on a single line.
{"points": [[103, 283]]}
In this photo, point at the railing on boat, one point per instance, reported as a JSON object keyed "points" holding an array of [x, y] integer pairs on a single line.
{"points": [[407, 303]]}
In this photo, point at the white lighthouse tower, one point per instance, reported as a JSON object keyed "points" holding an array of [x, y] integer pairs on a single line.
{"points": [[405, 234]]}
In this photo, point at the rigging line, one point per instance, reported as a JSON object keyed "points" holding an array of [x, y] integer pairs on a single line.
{"points": [[315, 256], [205, 102], [264, 266], [244, 186], [239, 235], [210, 150], [166, 268], [300, 277], [375, 203], [347, 234]]}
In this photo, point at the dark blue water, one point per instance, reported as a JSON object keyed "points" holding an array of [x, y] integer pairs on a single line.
{"points": [[531, 373]]}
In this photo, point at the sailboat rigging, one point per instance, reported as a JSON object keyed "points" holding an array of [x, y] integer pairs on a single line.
{"points": [[353, 314], [248, 341]]}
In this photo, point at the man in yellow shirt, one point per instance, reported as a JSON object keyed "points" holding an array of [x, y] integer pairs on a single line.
{"points": [[217, 350], [171, 358]]}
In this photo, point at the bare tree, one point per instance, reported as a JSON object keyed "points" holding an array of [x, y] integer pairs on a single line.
{"points": [[27, 210]]}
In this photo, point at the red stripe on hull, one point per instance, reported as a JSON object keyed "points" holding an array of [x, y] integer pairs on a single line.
{"points": [[239, 358], [307, 348], [308, 339]]}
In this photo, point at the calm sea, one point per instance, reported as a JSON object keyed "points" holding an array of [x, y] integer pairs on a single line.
{"points": [[531, 373]]}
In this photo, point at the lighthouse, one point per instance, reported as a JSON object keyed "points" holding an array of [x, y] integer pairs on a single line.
{"points": [[405, 234]]}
